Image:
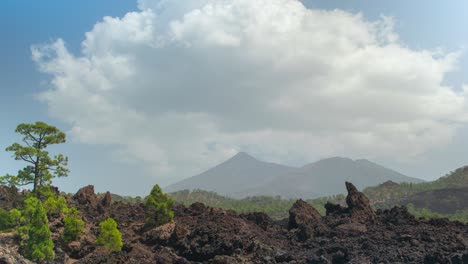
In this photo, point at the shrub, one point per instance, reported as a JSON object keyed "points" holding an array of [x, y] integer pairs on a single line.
{"points": [[8, 219], [158, 208], [15, 217], [73, 226], [110, 237], [6, 222], [56, 205], [36, 241]]}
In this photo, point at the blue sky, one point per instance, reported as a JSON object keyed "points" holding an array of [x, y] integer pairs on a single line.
{"points": [[420, 25], [25, 23]]}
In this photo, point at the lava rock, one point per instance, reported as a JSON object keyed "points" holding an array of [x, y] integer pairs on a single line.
{"points": [[359, 205], [306, 219]]}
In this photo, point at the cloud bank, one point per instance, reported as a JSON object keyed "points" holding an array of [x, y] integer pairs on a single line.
{"points": [[181, 85]]}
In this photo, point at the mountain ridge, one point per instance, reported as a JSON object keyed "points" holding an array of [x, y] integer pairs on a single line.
{"points": [[242, 166], [243, 175]]}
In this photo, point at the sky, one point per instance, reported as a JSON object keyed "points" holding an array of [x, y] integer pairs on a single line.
{"points": [[153, 91]]}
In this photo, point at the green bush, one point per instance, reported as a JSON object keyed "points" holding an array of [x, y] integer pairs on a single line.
{"points": [[110, 237], [56, 205], [6, 220], [158, 208], [73, 226], [15, 217], [36, 241]]}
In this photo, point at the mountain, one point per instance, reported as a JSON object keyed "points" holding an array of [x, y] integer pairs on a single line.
{"points": [[233, 177], [326, 177], [243, 176]]}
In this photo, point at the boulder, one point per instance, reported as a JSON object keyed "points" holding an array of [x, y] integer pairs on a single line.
{"points": [[259, 218], [106, 200], [398, 215], [160, 234], [359, 205], [306, 220], [86, 196], [335, 209]]}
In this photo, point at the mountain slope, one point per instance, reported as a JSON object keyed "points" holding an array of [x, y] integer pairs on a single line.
{"points": [[443, 201], [456, 183], [243, 176], [233, 176], [326, 177]]}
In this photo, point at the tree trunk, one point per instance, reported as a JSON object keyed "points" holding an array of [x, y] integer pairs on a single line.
{"points": [[36, 167], [36, 175]]}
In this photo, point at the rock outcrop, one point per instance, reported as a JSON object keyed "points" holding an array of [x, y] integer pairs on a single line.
{"points": [[359, 205], [86, 196], [106, 200], [9, 197], [87, 200], [306, 220]]}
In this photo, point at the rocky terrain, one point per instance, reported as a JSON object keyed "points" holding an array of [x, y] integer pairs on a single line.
{"points": [[199, 234]]}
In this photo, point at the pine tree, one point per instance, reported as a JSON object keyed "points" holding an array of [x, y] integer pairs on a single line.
{"points": [[41, 168], [73, 225], [110, 237], [35, 234], [158, 208]]}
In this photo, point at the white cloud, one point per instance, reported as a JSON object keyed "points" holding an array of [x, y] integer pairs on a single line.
{"points": [[181, 85]]}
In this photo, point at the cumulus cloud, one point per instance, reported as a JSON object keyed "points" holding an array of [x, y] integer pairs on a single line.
{"points": [[181, 85]]}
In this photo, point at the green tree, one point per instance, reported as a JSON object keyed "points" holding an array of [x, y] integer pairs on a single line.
{"points": [[9, 219], [36, 241], [54, 204], [73, 225], [158, 208], [41, 166], [110, 237]]}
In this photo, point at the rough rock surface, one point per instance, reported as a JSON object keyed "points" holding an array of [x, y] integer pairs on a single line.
{"points": [[86, 196], [359, 205], [106, 200], [9, 197], [9, 250], [200, 234], [306, 220]]}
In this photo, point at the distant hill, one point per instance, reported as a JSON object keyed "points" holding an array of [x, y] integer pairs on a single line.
{"points": [[443, 201], [444, 195], [243, 176]]}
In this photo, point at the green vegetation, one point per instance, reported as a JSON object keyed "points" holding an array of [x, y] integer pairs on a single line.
{"points": [[158, 208], [41, 168], [73, 226], [389, 194], [422, 212], [56, 205], [110, 237], [275, 207], [125, 199], [9, 219], [278, 208], [36, 241], [461, 215]]}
